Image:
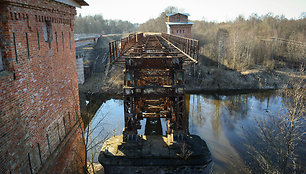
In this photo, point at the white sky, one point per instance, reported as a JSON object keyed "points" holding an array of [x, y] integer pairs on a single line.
{"points": [[139, 11]]}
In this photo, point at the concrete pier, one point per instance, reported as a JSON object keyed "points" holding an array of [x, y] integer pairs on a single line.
{"points": [[154, 154]]}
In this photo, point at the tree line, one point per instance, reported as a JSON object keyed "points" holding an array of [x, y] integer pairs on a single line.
{"points": [[97, 24], [267, 40]]}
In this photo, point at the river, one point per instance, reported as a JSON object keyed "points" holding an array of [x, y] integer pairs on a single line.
{"points": [[227, 123]]}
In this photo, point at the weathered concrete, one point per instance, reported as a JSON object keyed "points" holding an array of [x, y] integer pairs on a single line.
{"points": [[80, 70], [154, 152]]}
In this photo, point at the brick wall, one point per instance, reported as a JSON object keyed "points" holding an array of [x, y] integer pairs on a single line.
{"points": [[181, 30], [178, 18], [39, 103]]}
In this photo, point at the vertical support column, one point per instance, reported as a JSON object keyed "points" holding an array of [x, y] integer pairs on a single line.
{"points": [[130, 117], [116, 50], [113, 52], [179, 117], [110, 53]]}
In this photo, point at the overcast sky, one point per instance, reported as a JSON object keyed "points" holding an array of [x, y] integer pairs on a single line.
{"points": [[139, 11]]}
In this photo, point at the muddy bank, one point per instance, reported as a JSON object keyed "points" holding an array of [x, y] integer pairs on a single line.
{"points": [[208, 79], [98, 89], [214, 79]]}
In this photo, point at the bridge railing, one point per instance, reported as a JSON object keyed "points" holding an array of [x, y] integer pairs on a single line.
{"points": [[189, 47], [118, 47]]}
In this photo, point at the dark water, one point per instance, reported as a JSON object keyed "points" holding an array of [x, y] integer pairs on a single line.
{"points": [[225, 122]]}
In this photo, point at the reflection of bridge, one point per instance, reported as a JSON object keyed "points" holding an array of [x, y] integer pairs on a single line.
{"points": [[154, 80]]}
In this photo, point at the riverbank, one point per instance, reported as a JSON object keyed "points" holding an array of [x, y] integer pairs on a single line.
{"points": [[98, 88], [214, 79], [208, 79], [97, 83]]}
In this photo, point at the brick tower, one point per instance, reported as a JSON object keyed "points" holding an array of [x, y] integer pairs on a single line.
{"points": [[39, 104], [178, 24]]}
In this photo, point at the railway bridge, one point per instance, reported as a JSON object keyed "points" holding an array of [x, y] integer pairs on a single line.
{"points": [[154, 65], [154, 80]]}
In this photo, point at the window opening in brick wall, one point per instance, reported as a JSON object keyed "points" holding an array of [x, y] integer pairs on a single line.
{"points": [[28, 47], [30, 164], [69, 39], [1, 63], [63, 41], [64, 121], [48, 35], [58, 132], [15, 47], [38, 41], [56, 41], [69, 117], [48, 141], [39, 152]]}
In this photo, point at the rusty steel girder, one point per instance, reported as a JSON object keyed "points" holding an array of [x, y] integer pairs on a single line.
{"points": [[118, 48], [154, 80]]}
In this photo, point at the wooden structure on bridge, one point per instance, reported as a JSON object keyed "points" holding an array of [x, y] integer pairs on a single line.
{"points": [[154, 80]]}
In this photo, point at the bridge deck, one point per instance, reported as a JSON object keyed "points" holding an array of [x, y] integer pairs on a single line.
{"points": [[154, 46]]}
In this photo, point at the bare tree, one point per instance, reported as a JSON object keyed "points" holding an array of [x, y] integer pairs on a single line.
{"points": [[282, 136], [92, 137]]}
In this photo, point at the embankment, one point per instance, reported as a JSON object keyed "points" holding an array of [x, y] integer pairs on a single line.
{"points": [[208, 79], [214, 79]]}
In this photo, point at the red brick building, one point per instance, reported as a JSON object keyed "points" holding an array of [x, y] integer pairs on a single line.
{"points": [[178, 24], [39, 103]]}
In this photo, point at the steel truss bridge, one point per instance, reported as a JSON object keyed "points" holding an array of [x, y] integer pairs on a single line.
{"points": [[154, 79]]}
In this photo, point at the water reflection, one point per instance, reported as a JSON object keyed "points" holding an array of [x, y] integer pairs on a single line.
{"points": [[108, 121], [211, 124], [221, 120]]}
